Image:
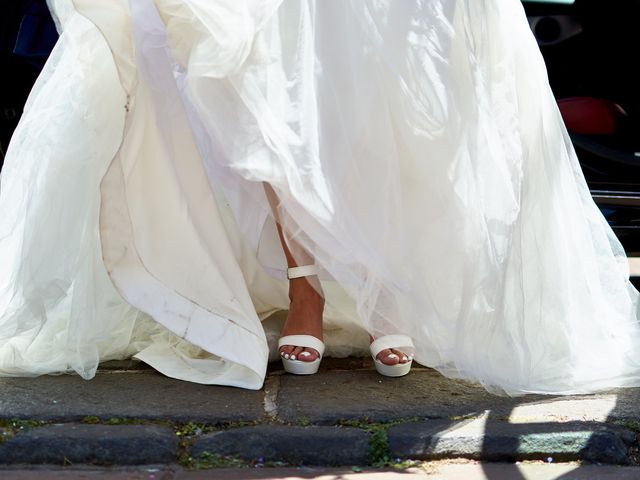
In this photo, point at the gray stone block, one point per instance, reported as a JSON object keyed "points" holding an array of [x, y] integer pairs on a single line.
{"points": [[91, 444], [499, 441], [353, 394], [296, 445], [424, 393], [148, 395]]}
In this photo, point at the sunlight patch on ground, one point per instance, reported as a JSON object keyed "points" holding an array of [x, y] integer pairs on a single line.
{"points": [[565, 409], [634, 263]]}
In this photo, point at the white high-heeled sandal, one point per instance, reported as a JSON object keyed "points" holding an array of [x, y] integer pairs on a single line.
{"points": [[292, 365], [396, 342]]}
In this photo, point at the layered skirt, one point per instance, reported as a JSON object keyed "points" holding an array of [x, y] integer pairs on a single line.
{"points": [[417, 154]]}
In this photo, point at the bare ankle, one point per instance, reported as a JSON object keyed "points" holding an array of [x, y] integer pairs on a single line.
{"points": [[301, 290]]}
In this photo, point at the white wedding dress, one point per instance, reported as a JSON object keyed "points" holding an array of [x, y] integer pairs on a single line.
{"points": [[417, 152]]}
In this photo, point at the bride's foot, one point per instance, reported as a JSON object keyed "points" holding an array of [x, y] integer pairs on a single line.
{"points": [[389, 354], [392, 356], [304, 318]]}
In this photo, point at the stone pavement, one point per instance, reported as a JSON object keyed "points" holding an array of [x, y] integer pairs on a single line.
{"points": [[431, 471], [346, 415]]}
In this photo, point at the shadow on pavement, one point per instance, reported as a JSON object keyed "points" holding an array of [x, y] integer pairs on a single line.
{"points": [[610, 449]]}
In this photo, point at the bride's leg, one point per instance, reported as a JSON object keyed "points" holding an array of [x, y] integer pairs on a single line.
{"points": [[307, 301], [305, 293]]}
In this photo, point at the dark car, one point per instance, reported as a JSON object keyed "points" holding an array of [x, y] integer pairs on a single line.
{"points": [[591, 51], [27, 36]]}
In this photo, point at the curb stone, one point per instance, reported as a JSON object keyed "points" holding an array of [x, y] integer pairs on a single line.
{"points": [[65, 444], [431, 397], [498, 441], [345, 391], [146, 395], [295, 445]]}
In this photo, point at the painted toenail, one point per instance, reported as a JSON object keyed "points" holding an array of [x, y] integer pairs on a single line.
{"points": [[286, 355], [393, 356], [293, 357], [305, 354]]}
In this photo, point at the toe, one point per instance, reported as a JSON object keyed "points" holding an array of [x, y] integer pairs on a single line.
{"points": [[403, 357], [308, 355], [296, 353], [285, 351], [388, 357]]}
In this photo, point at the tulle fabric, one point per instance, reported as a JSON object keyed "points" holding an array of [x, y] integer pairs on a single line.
{"points": [[416, 151]]}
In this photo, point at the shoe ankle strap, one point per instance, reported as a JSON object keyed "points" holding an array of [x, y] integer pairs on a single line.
{"points": [[303, 271]]}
